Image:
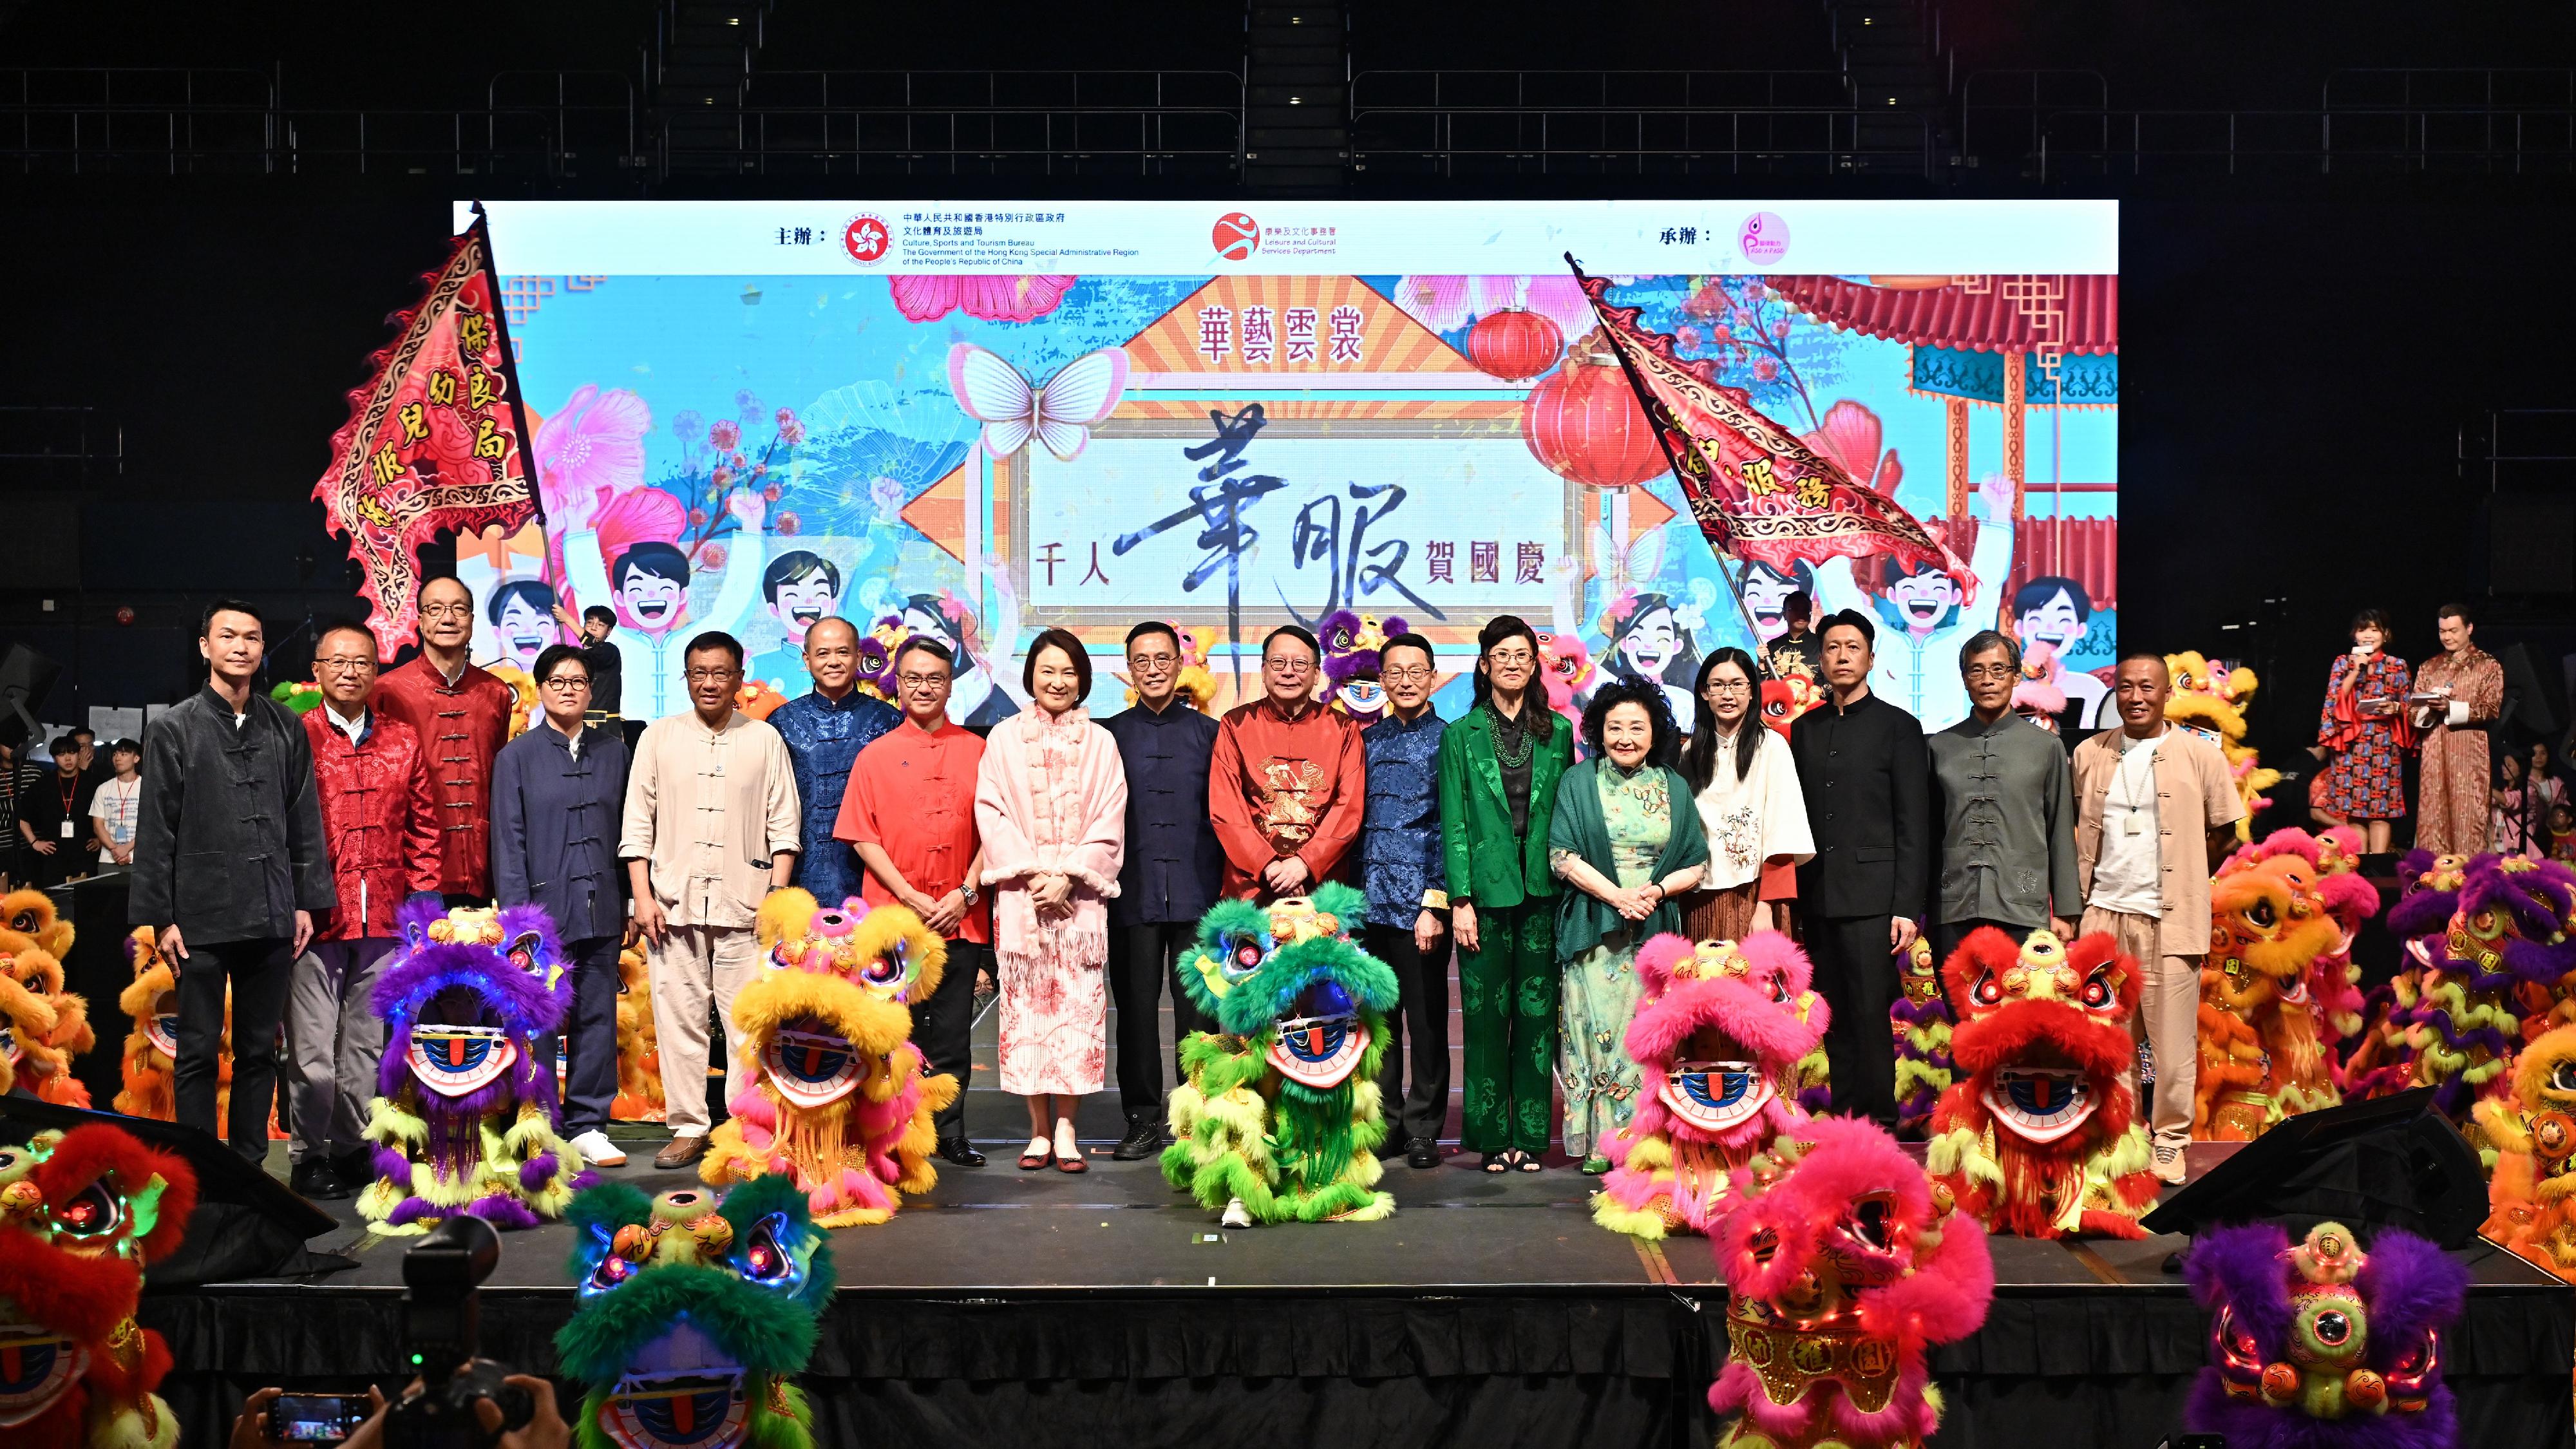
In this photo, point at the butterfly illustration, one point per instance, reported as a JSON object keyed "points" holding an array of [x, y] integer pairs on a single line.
{"points": [[1060, 414]]}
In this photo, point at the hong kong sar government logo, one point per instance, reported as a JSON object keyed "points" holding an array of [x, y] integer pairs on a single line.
{"points": [[867, 239], [1237, 236]]}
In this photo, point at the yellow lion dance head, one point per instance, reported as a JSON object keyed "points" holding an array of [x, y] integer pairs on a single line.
{"points": [[42, 1026], [839, 1096], [2211, 702]]}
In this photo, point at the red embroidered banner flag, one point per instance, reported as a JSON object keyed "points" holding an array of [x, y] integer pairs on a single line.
{"points": [[436, 440], [1757, 490]]}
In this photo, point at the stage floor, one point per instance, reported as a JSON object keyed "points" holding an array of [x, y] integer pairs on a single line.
{"points": [[1103, 1307]]}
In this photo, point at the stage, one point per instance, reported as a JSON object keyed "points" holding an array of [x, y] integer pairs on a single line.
{"points": [[1036, 1308]]}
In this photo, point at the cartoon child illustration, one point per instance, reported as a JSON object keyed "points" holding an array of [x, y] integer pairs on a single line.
{"points": [[631, 558], [2050, 615], [1647, 638], [1927, 612], [801, 588], [977, 697], [521, 613], [1766, 595]]}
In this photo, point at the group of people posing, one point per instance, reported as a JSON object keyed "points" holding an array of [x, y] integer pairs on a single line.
{"points": [[1065, 860]]}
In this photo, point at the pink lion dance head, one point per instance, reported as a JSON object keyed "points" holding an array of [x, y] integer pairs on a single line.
{"points": [[1843, 1267], [1720, 1039]]}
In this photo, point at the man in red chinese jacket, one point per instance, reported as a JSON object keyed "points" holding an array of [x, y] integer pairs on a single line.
{"points": [[462, 716], [381, 826], [1287, 786]]}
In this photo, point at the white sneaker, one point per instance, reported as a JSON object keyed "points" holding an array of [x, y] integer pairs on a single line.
{"points": [[2169, 1164], [597, 1151], [1236, 1215]]}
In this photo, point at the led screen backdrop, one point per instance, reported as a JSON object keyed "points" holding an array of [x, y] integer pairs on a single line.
{"points": [[989, 417]]}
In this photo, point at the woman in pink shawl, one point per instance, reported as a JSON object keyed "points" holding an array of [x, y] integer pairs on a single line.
{"points": [[1051, 804]]}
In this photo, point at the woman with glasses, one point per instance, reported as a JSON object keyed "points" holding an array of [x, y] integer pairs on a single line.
{"points": [[1499, 767], [1746, 785], [1626, 839]]}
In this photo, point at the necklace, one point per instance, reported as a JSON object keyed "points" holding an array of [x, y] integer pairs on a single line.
{"points": [[1512, 744]]}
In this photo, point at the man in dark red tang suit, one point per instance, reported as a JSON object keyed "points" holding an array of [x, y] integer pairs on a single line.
{"points": [[462, 716]]}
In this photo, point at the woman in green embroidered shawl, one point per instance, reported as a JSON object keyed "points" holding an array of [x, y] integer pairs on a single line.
{"points": [[1627, 838]]}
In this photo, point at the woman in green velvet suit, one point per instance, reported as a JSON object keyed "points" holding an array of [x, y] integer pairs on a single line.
{"points": [[1499, 765]]}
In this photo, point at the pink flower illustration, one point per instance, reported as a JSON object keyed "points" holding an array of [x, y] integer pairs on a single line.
{"points": [[591, 448], [1765, 369], [1438, 302], [995, 299], [712, 557], [1559, 298], [1688, 336], [725, 434], [787, 523]]}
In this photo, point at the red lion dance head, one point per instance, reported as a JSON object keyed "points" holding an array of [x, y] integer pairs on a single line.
{"points": [[2038, 1136], [81, 1213], [1718, 1039], [1843, 1265]]}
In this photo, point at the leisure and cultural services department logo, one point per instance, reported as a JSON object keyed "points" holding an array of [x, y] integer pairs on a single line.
{"points": [[1237, 236]]}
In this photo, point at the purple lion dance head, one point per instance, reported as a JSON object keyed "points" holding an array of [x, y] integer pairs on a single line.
{"points": [[465, 1117], [2475, 930]]}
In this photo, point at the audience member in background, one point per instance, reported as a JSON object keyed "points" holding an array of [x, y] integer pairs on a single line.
{"points": [[1405, 868], [1627, 839], [711, 828], [373, 782], [605, 663], [2562, 831], [461, 715], [1286, 786], [1051, 811], [54, 823], [910, 814], [17, 772], [1499, 769], [2509, 802], [825, 728], [1166, 881], [92, 768], [558, 801], [2365, 777], [2543, 789], [2001, 789], [1745, 784], [1866, 773], [2462, 690], [111, 810], [1797, 650], [229, 867], [2154, 811]]}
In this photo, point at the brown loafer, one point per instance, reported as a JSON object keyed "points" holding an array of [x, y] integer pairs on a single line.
{"points": [[1071, 1164], [680, 1152]]}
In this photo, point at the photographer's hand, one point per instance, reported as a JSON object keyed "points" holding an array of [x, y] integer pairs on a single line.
{"points": [[546, 1428], [250, 1431]]}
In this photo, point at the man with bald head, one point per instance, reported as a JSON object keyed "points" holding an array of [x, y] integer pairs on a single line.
{"points": [[462, 716], [825, 730]]}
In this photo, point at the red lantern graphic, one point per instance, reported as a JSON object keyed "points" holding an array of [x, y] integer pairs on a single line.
{"points": [[1582, 421], [1513, 344]]}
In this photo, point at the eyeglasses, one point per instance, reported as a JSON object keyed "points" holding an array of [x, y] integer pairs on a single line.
{"points": [[1511, 656], [1989, 671], [1152, 661], [713, 676], [447, 611], [1407, 676], [343, 663], [1729, 686], [569, 681], [1289, 666], [920, 681]]}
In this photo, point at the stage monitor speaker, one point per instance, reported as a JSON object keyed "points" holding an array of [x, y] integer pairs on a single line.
{"points": [[26, 677], [247, 1225], [2391, 1161], [2536, 698]]}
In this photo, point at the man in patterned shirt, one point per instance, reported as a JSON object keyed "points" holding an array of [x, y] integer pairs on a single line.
{"points": [[1286, 786], [825, 729], [1404, 868]]}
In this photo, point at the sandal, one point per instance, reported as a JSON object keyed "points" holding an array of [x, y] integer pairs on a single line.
{"points": [[1494, 1162], [1527, 1162], [1595, 1165]]}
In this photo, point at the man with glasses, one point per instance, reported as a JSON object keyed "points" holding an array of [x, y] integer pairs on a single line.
{"points": [[909, 813], [1405, 869], [558, 792], [1167, 880], [382, 831], [229, 869], [2000, 787], [711, 828], [825, 728], [1286, 786], [462, 715]]}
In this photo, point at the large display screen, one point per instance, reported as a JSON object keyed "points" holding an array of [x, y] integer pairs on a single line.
{"points": [[985, 418]]}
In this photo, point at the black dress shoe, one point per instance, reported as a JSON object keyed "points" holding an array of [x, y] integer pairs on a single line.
{"points": [[961, 1152], [356, 1168], [315, 1180], [1144, 1138], [1422, 1152]]}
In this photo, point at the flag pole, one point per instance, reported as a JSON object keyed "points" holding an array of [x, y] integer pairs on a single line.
{"points": [[1663, 439]]}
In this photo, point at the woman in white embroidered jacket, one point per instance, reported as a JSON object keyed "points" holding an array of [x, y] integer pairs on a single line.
{"points": [[1051, 806], [1746, 784]]}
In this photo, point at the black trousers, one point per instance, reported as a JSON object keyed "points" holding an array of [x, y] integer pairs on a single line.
{"points": [[1856, 973], [944, 1028], [1141, 960], [1948, 934], [259, 973], [589, 1035], [1422, 1011]]}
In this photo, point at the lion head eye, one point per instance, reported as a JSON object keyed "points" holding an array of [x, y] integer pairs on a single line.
{"points": [[2097, 994], [1988, 991]]}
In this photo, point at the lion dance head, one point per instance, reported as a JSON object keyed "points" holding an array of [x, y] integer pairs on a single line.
{"points": [[2262, 1056], [42, 1025], [2492, 939], [2039, 1137], [694, 1316], [838, 1097], [465, 1117], [1722, 1038], [1843, 1266]]}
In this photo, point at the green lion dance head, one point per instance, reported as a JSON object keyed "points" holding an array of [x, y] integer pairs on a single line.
{"points": [[694, 1315], [1288, 973]]}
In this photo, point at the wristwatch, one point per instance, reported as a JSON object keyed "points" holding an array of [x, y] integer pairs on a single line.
{"points": [[968, 891]]}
